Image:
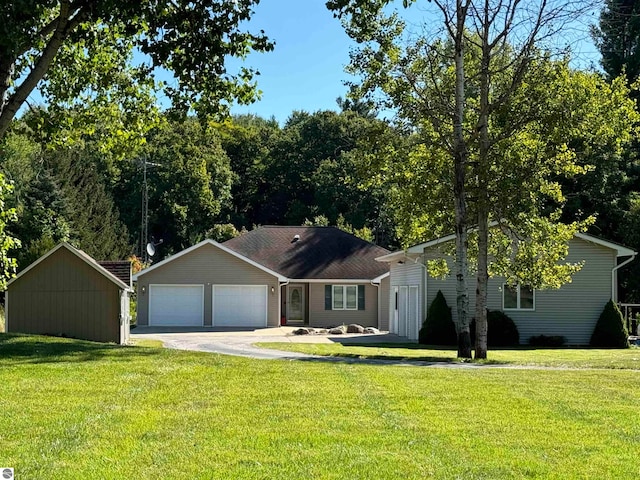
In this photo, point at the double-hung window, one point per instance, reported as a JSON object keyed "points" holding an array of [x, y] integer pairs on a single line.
{"points": [[518, 297], [344, 297]]}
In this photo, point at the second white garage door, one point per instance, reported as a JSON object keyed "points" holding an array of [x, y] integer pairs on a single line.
{"points": [[239, 305], [176, 305]]}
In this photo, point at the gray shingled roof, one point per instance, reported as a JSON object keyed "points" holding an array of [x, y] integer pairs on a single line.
{"points": [[319, 253]]}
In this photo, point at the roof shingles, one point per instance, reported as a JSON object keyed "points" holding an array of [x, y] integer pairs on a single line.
{"points": [[319, 252]]}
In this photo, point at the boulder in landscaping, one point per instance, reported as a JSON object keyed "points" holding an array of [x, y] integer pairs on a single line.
{"points": [[355, 328], [372, 330], [337, 330], [301, 331]]}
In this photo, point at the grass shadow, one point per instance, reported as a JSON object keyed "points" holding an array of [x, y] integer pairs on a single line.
{"points": [[22, 348]]}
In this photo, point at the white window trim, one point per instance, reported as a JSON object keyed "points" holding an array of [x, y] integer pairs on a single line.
{"points": [[344, 297], [518, 308]]}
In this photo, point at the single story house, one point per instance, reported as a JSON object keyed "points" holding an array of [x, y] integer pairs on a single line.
{"points": [[67, 293], [571, 311], [316, 276]]}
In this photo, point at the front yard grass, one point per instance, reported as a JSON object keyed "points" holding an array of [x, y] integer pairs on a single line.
{"points": [[628, 359], [80, 410]]}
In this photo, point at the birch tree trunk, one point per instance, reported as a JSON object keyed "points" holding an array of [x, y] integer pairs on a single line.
{"points": [[460, 201]]}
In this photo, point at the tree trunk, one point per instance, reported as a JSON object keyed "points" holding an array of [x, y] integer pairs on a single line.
{"points": [[460, 201], [482, 179]]}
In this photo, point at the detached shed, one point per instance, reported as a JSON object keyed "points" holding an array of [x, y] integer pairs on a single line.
{"points": [[67, 293]]}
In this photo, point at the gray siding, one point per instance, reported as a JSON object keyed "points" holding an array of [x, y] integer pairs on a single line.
{"points": [[208, 265], [571, 311], [408, 274], [321, 318], [65, 296], [385, 302]]}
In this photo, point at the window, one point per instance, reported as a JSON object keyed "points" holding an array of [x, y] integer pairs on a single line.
{"points": [[520, 297], [344, 297]]}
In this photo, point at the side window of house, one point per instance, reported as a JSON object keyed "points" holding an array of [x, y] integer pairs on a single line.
{"points": [[344, 297], [519, 297]]}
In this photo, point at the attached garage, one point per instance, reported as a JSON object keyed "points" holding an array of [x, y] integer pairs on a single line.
{"points": [[176, 305], [239, 305], [208, 285]]}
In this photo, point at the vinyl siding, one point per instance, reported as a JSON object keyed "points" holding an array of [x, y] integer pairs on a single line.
{"points": [[208, 265], [321, 318], [63, 295], [571, 311], [408, 274], [385, 298]]}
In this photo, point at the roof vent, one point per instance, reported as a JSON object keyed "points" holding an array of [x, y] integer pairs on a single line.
{"points": [[295, 238]]}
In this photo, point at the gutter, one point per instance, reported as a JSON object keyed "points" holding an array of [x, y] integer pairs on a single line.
{"points": [[613, 275]]}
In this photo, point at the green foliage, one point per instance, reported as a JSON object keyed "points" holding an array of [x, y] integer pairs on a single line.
{"points": [[438, 328], [84, 51], [8, 242], [221, 232], [502, 331], [552, 341], [610, 330], [617, 38]]}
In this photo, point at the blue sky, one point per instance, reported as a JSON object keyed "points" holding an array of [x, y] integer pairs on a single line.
{"points": [[306, 69]]}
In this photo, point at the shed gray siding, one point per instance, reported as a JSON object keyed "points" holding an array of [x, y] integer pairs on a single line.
{"points": [[63, 295], [208, 265], [321, 318], [571, 311], [409, 274]]}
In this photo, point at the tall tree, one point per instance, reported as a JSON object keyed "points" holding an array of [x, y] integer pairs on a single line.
{"points": [[479, 90], [41, 40]]}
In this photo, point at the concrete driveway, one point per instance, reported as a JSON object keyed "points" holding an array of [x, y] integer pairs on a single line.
{"points": [[241, 342]]}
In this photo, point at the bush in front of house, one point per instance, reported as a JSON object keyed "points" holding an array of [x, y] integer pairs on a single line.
{"points": [[502, 331], [438, 327], [610, 331], [552, 341]]}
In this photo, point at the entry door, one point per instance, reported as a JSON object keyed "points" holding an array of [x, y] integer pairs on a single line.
{"points": [[296, 303]]}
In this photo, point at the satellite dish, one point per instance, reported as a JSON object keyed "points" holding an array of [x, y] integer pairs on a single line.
{"points": [[151, 249]]}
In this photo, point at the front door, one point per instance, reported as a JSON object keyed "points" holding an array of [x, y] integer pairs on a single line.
{"points": [[296, 303]]}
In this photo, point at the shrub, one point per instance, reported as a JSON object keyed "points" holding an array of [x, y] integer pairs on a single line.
{"points": [[502, 331], [438, 327], [610, 331], [547, 341]]}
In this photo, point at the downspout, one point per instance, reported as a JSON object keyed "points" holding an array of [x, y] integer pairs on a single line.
{"points": [[613, 276]]}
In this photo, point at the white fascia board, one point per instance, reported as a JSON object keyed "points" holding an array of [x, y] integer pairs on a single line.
{"points": [[621, 251], [381, 277], [333, 280], [397, 256], [217, 245]]}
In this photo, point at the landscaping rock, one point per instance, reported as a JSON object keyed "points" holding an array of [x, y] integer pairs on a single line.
{"points": [[301, 331], [371, 330], [322, 331], [337, 330], [355, 328]]}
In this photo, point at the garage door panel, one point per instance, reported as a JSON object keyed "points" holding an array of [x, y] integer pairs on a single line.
{"points": [[240, 305], [176, 305]]}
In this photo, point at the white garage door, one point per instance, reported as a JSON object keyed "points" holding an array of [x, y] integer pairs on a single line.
{"points": [[240, 305], [176, 305]]}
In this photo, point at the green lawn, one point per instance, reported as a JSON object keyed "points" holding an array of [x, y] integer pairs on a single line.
{"points": [[79, 410], [628, 359]]}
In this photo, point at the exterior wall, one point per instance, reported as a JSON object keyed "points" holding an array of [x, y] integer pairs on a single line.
{"points": [[65, 296], [407, 274], [208, 265], [385, 298], [571, 311], [321, 318]]}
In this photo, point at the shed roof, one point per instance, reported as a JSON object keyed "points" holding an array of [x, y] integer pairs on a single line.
{"points": [[307, 253], [81, 255], [121, 269]]}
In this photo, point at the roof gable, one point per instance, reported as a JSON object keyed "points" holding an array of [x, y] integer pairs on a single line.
{"points": [[311, 253], [621, 251], [82, 256], [173, 258]]}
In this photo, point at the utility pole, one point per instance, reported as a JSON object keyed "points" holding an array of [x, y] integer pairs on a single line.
{"points": [[144, 228]]}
